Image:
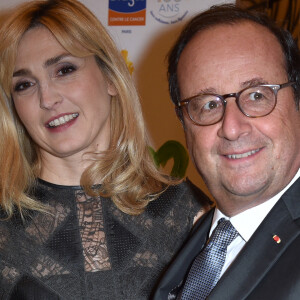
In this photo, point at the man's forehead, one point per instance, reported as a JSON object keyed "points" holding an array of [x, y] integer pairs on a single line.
{"points": [[223, 50], [222, 35]]}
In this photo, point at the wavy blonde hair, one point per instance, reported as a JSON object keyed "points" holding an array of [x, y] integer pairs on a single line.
{"points": [[126, 170]]}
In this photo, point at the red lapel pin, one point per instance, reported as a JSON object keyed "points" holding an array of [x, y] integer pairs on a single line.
{"points": [[276, 238]]}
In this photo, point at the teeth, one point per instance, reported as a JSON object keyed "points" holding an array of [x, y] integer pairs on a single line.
{"points": [[62, 120], [237, 156]]}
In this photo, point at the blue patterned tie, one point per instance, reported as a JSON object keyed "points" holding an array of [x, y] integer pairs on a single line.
{"points": [[206, 268]]}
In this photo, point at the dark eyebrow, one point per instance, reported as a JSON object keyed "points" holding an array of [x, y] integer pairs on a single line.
{"points": [[49, 62], [53, 60], [209, 90], [253, 82], [248, 83], [21, 72]]}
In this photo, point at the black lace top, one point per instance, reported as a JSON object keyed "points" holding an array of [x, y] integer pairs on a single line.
{"points": [[88, 249]]}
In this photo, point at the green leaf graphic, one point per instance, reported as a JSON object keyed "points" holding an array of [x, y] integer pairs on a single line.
{"points": [[175, 150]]}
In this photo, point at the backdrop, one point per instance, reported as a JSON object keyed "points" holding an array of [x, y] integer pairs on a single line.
{"points": [[145, 31]]}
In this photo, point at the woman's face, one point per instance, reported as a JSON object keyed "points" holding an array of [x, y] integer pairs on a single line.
{"points": [[62, 100]]}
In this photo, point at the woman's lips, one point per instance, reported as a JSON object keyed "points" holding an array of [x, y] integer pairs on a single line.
{"points": [[61, 120]]}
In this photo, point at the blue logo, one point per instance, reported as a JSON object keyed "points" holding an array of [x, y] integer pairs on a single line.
{"points": [[127, 13], [127, 6]]}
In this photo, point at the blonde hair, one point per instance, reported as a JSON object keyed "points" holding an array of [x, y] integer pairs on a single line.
{"points": [[126, 170]]}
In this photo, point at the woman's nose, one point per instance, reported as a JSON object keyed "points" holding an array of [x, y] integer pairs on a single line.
{"points": [[49, 96]]}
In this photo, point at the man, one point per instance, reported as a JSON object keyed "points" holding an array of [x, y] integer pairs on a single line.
{"points": [[235, 80]]}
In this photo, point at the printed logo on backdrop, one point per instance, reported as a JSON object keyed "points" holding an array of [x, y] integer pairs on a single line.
{"points": [[127, 12], [168, 11]]}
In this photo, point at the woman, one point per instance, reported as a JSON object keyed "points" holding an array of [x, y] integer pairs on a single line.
{"points": [[77, 182]]}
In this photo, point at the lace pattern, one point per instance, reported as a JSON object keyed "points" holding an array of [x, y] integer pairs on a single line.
{"points": [[90, 217], [86, 248]]}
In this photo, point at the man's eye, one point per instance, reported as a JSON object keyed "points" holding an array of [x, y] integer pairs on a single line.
{"points": [[66, 70], [210, 105], [256, 96], [22, 86]]}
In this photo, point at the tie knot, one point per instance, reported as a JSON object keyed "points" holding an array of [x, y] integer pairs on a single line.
{"points": [[223, 234]]}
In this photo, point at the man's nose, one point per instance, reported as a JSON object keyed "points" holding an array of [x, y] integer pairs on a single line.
{"points": [[234, 123]]}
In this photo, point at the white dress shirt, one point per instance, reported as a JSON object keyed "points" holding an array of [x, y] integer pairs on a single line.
{"points": [[246, 223]]}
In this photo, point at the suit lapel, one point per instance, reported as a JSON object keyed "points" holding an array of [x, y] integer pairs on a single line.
{"points": [[261, 251], [177, 270]]}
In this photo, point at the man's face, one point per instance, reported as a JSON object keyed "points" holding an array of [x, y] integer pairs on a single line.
{"points": [[226, 59]]}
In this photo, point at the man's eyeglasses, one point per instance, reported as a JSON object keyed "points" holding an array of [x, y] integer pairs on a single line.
{"points": [[257, 101]]}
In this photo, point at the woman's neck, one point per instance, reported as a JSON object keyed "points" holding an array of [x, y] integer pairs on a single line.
{"points": [[62, 171]]}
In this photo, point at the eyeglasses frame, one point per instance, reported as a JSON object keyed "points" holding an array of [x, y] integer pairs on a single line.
{"points": [[274, 87]]}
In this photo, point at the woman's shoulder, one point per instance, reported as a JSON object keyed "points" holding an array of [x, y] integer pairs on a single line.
{"points": [[185, 197]]}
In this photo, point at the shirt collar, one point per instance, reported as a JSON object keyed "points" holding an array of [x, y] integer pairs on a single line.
{"points": [[248, 221]]}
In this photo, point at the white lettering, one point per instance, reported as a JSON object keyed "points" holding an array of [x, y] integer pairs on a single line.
{"points": [[130, 4], [113, 19]]}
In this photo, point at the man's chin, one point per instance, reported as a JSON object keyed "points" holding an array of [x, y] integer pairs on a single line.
{"points": [[243, 190]]}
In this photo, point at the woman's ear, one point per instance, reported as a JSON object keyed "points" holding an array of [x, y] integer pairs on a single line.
{"points": [[111, 89]]}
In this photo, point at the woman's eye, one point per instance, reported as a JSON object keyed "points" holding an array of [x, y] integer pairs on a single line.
{"points": [[23, 86], [66, 70]]}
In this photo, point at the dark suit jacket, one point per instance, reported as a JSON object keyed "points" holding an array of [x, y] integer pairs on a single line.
{"points": [[263, 270]]}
